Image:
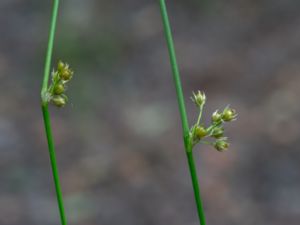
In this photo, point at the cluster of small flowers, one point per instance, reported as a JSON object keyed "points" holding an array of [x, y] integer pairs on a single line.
{"points": [[60, 77], [215, 130]]}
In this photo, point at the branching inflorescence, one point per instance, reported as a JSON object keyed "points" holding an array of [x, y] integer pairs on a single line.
{"points": [[198, 133], [56, 91]]}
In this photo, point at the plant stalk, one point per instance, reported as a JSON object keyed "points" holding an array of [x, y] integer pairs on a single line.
{"points": [[50, 49], [53, 162], [46, 115], [182, 110], [193, 172]]}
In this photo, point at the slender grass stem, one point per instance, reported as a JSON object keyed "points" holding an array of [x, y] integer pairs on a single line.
{"points": [[193, 171], [175, 70], [46, 116], [182, 109], [55, 173], [50, 48]]}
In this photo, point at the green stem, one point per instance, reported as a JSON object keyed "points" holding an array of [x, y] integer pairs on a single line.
{"points": [[46, 115], [212, 127], [200, 115], [207, 143], [49, 49], [194, 177], [59, 196], [175, 70], [183, 115]]}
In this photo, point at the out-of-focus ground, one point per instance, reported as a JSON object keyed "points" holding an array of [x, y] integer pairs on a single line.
{"points": [[119, 145]]}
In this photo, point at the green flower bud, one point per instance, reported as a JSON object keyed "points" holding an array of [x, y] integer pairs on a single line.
{"points": [[221, 145], [229, 114], [66, 74], [218, 132], [59, 89], [60, 66], [216, 117], [58, 100], [199, 99], [200, 132]]}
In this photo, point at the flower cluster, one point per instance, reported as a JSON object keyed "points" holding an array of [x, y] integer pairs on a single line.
{"points": [[60, 77], [216, 130]]}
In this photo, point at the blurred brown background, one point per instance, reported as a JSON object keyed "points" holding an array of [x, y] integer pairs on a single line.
{"points": [[119, 145]]}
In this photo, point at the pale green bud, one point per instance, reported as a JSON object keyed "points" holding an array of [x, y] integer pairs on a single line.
{"points": [[229, 114], [58, 100], [216, 117], [60, 66], [221, 145], [199, 99], [59, 89], [200, 132]]}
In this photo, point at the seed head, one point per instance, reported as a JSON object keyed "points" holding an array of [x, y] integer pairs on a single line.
{"points": [[216, 117], [64, 71], [199, 99], [59, 100], [229, 114], [200, 132], [66, 74], [221, 145], [60, 66], [59, 89]]}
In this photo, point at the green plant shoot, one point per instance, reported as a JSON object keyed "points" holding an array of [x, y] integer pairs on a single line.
{"points": [[198, 132]]}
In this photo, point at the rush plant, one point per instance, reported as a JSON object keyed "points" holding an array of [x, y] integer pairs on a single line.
{"points": [[198, 133], [55, 94]]}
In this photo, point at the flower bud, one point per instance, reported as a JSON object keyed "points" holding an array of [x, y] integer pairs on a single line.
{"points": [[58, 100], [66, 74], [218, 132], [221, 145], [59, 89], [229, 114], [216, 117], [60, 66], [199, 98], [200, 132]]}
